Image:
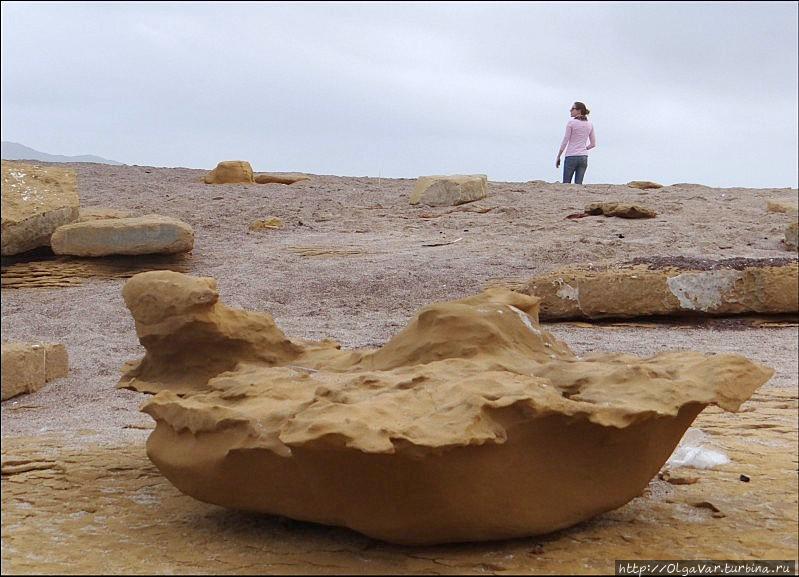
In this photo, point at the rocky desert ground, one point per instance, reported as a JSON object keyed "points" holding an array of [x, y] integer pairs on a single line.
{"points": [[353, 262]]}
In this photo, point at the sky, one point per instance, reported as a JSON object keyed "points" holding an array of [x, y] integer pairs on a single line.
{"points": [[678, 91]]}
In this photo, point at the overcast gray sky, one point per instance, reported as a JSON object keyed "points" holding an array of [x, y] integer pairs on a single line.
{"points": [[679, 92]]}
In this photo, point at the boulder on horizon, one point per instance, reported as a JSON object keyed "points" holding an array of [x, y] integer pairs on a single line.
{"points": [[280, 178], [452, 190], [230, 172], [644, 184]]}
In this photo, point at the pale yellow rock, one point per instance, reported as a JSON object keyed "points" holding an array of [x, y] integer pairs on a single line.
{"points": [[449, 190], [35, 201], [270, 223], [644, 184], [472, 423], [230, 172], [673, 286], [792, 236], [26, 367], [782, 206], [149, 234], [100, 213], [280, 178]]}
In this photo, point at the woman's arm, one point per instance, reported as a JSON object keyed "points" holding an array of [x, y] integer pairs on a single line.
{"points": [[563, 144], [591, 139]]}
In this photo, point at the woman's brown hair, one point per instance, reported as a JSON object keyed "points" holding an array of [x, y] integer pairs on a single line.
{"points": [[584, 112]]}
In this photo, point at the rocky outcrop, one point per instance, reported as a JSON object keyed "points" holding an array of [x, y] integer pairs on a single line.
{"points": [[26, 367], [620, 210], [644, 184], [449, 190], [149, 234], [276, 178], [36, 200], [230, 172], [446, 433], [669, 286]]}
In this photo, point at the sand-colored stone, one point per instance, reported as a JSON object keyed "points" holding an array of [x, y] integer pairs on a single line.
{"points": [[620, 209], [26, 367], [669, 286], [782, 206], [445, 434], [792, 236], [230, 172], [270, 223], [102, 213], [35, 201], [644, 184], [149, 234], [449, 190], [279, 178]]}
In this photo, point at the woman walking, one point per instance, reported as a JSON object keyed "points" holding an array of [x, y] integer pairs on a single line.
{"points": [[579, 139]]}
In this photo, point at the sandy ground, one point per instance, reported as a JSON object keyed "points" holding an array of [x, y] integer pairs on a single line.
{"points": [[350, 265]]}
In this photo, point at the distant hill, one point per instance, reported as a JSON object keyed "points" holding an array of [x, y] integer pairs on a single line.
{"points": [[15, 151]]}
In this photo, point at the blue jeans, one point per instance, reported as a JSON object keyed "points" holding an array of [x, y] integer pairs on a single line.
{"points": [[574, 166]]}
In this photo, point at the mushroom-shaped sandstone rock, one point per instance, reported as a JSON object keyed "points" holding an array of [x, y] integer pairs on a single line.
{"points": [[230, 172], [471, 424]]}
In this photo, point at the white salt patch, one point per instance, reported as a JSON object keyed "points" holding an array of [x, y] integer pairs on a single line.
{"points": [[569, 292], [692, 453], [525, 319]]}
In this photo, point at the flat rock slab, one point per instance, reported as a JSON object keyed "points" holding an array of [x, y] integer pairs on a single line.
{"points": [[620, 210], [279, 178], [669, 286], [150, 234], [449, 190], [26, 367], [230, 172], [36, 200]]}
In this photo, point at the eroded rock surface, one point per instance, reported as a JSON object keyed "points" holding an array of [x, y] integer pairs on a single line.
{"points": [[230, 172], [26, 367], [669, 286], [36, 200], [449, 190], [149, 234], [447, 433]]}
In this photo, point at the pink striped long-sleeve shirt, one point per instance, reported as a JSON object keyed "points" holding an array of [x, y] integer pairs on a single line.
{"points": [[578, 134]]}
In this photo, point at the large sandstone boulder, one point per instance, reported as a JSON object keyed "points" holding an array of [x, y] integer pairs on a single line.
{"points": [[36, 200], [669, 286], [449, 190], [26, 367], [644, 184], [149, 234], [620, 209], [275, 178], [230, 172], [471, 424]]}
